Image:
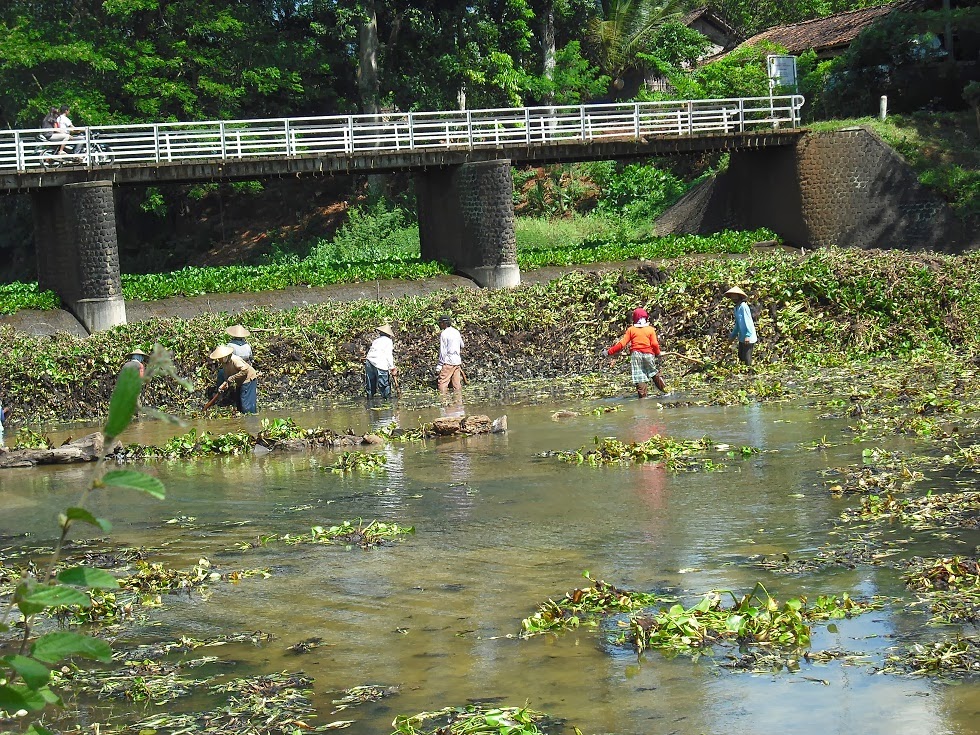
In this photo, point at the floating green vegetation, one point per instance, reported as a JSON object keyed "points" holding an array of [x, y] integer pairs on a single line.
{"points": [[358, 462], [30, 439], [955, 658], [585, 606], [755, 618], [191, 444], [137, 681], [475, 719], [362, 695], [393, 432], [882, 472], [271, 704], [950, 587], [943, 510], [155, 651], [145, 587], [676, 455], [350, 533], [868, 547]]}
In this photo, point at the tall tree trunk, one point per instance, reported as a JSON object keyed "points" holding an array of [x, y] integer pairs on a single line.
{"points": [[367, 66], [548, 45], [367, 75]]}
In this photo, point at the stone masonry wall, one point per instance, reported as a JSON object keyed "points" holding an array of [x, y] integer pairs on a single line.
{"points": [[845, 188], [466, 217], [93, 217]]}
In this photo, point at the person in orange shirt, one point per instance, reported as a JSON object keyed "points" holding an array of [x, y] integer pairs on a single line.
{"points": [[641, 339]]}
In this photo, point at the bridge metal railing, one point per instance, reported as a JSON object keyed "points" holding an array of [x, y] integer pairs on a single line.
{"points": [[347, 135]]}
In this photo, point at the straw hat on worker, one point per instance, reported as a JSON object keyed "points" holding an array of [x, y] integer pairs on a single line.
{"points": [[735, 293], [386, 329], [238, 331], [221, 352]]}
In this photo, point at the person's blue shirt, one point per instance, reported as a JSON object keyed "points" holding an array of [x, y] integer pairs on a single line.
{"points": [[744, 326]]}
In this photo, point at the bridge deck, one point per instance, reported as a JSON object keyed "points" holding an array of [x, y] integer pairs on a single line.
{"points": [[248, 149]]}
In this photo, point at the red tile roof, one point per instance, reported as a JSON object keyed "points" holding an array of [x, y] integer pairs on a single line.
{"points": [[821, 34]]}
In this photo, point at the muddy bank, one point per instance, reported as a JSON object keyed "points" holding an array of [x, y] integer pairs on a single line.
{"points": [[829, 307]]}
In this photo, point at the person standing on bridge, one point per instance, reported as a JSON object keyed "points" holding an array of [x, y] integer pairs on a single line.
{"points": [[641, 339], [744, 329], [239, 375]]}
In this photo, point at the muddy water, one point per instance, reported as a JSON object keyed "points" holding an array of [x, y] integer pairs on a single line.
{"points": [[499, 531]]}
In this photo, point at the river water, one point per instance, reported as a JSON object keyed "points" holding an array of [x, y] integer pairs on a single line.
{"points": [[500, 530]]}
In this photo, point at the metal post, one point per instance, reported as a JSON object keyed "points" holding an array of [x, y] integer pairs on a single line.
{"points": [[690, 118], [636, 120], [349, 144], [224, 147], [741, 115], [469, 129], [156, 144], [19, 151], [411, 131], [581, 113], [527, 126], [289, 148]]}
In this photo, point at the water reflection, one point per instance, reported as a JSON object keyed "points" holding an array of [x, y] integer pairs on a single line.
{"points": [[500, 531]]}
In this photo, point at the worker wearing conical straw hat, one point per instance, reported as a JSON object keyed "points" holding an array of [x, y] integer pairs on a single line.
{"points": [[641, 339], [379, 364], [238, 335], [137, 358], [239, 376], [744, 329]]}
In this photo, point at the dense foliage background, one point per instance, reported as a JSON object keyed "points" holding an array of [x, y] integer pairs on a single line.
{"points": [[129, 61]]}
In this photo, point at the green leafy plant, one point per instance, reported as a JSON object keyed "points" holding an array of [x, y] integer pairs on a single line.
{"points": [[26, 675]]}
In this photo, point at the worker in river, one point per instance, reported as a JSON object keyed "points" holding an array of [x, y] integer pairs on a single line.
{"points": [[641, 339], [379, 364], [240, 376], [744, 329]]}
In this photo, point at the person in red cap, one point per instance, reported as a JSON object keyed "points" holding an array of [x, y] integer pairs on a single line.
{"points": [[641, 339]]}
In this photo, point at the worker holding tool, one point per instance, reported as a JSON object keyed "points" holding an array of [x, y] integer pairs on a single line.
{"points": [[744, 329], [380, 373], [449, 370], [240, 376], [641, 339]]}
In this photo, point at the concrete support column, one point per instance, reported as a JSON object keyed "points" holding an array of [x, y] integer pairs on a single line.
{"points": [[77, 251], [466, 217]]}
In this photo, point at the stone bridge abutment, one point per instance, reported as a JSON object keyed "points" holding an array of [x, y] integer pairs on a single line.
{"points": [[78, 251]]}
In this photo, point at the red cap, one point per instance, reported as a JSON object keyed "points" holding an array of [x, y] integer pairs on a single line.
{"points": [[639, 314]]}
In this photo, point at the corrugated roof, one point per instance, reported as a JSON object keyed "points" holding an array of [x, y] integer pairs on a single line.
{"points": [[821, 33]]}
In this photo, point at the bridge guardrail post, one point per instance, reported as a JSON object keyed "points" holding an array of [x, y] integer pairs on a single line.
{"points": [[156, 144], [690, 118], [581, 121], [224, 146], [19, 151], [636, 120], [88, 148], [527, 126], [349, 134], [741, 115], [411, 132], [469, 129], [287, 131]]}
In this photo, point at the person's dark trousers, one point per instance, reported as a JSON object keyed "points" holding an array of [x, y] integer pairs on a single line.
{"points": [[376, 381], [745, 352], [248, 396]]}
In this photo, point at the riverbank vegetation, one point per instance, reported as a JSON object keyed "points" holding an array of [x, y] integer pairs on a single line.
{"points": [[816, 313]]}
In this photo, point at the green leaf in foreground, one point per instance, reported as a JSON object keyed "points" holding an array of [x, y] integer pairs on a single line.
{"points": [[84, 516], [132, 480], [43, 595], [54, 647], [88, 577], [15, 697], [122, 405], [34, 674]]}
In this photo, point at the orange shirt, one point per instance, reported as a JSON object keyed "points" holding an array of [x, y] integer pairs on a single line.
{"points": [[638, 339]]}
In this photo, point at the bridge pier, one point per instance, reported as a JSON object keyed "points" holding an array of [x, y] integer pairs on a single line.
{"points": [[466, 217], [77, 251]]}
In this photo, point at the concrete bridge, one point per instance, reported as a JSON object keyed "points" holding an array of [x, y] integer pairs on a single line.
{"points": [[462, 161]]}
